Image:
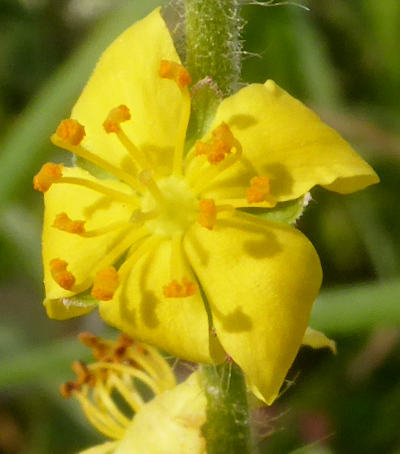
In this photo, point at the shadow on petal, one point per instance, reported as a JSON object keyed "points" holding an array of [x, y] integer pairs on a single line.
{"points": [[263, 245], [281, 180], [234, 322], [102, 203], [201, 251], [242, 121], [148, 299]]}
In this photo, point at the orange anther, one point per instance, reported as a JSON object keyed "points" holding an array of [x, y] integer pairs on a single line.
{"points": [[105, 284], [66, 389], [64, 278], [88, 339], [124, 339], [180, 290], [224, 134], [71, 131], [82, 372], [202, 148], [259, 189], [48, 174], [208, 213], [176, 72], [116, 116], [64, 223], [220, 146]]}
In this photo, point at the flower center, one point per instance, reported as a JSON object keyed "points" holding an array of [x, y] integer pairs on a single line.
{"points": [[177, 210]]}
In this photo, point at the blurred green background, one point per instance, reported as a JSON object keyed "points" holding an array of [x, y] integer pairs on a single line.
{"points": [[340, 57]]}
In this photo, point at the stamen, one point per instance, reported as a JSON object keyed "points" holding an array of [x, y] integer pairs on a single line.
{"points": [[112, 124], [208, 213], [103, 397], [146, 177], [113, 255], [180, 290], [131, 396], [107, 229], [102, 387], [71, 131], [67, 389], [147, 246], [258, 190], [176, 72], [48, 174], [221, 145], [98, 187], [83, 374], [101, 420], [82, 152], [105, 284], [131, 371], [176, 289], [116, 116], [204, 178], [224, 134], [64, 223], [64, 278]]}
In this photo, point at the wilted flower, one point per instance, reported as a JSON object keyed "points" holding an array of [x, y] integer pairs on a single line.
{"points": [[111, 393]]}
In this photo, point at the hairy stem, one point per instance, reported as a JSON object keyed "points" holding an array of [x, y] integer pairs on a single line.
{"points": [[227, 429], [213, 46]]}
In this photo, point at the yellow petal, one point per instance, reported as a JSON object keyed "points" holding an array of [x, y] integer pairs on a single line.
{"points": [[286, 141], [105, 448], [170, 423], [127, 74], [317, 339], [60, 310], [176, 325], [81, 254], [261, 279]]}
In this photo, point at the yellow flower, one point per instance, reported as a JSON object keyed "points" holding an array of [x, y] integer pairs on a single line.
{"points": [[111, 391], [160, 237]]}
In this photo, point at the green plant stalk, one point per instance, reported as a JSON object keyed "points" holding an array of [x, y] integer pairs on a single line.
{"points": [[213, 47], [227, 429], [213, 52]]}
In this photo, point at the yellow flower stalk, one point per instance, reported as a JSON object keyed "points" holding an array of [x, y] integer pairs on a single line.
{"points": [[110, 392], [160, 236]]}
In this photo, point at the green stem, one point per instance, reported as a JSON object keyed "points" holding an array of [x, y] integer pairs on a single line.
{"points": [[227, 429], [213, 47]]}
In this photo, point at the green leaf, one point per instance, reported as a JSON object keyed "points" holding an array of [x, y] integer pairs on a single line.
{"points": [[81, 300], [352, 309], [205, 100], [287, 212]]}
